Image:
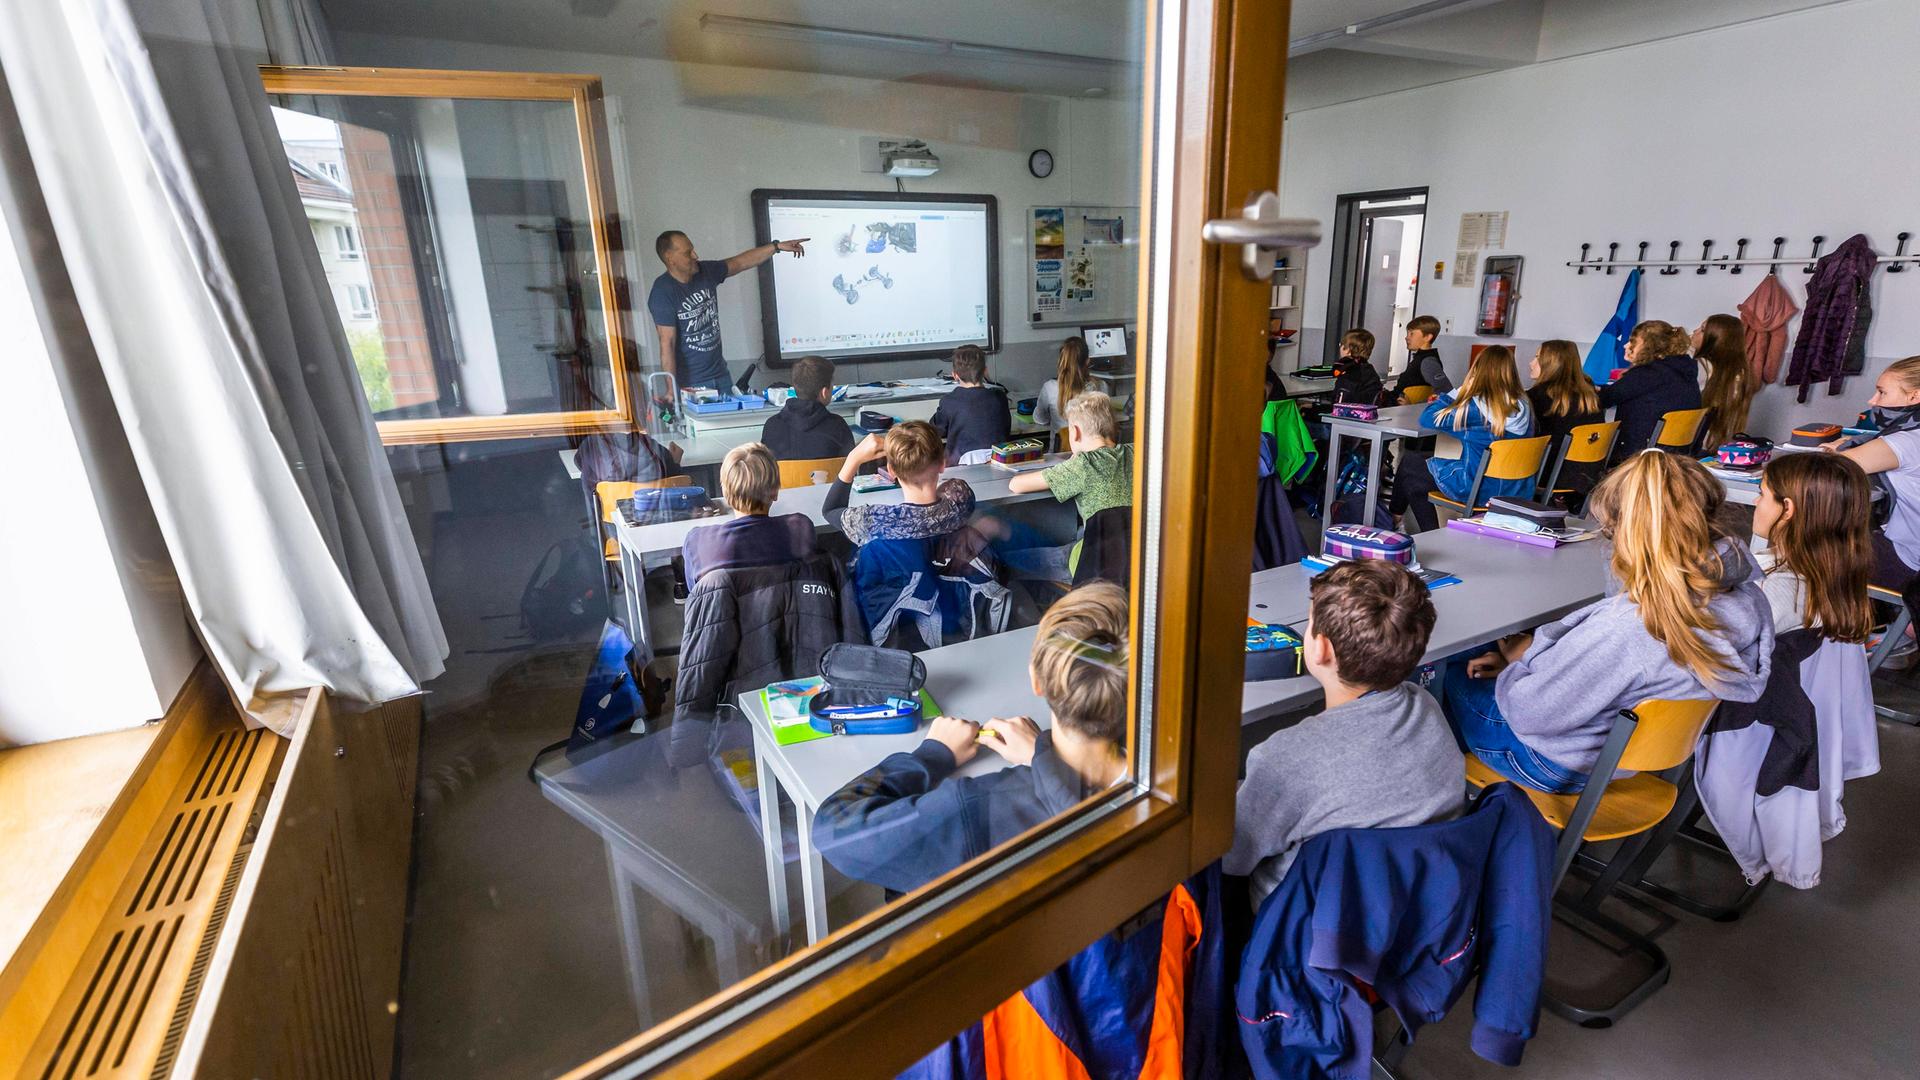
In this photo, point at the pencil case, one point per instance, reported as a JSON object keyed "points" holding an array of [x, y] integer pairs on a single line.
{"points": [[1355, 410], [1273, 652], [1544, 515], [653, 506], [875, 421], [868, 691], [1815, 434], [1745, 452], [1366, 542], [1015, 451]]}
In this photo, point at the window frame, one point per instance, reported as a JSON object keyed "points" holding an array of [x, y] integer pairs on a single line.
{"points": [[585, 95], [368, 311], [879, 992], [346, 242]]}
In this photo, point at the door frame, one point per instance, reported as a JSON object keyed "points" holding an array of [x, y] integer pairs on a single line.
{"points": [[877, 994], [1346, 276]]}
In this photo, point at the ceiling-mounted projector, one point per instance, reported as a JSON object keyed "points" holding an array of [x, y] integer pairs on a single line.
{"points": [[908, 159]]}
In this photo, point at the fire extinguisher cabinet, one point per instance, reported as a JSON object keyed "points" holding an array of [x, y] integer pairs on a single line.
{"points": [[1499, 295]]}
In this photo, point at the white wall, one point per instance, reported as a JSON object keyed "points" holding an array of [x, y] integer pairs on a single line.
{"points": [[1794, 125], [692, 141]]}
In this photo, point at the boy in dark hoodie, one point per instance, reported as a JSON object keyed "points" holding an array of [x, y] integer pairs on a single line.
{"points": [[1423, 360], [1354, 377], [804, 429], [1662, 379], [973, 415]]}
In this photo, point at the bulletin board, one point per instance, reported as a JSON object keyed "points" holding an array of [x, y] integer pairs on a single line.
{"points": [[1083, 264]]}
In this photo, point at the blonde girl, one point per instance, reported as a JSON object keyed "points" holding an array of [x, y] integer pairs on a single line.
{"points": [[1488, 405]]}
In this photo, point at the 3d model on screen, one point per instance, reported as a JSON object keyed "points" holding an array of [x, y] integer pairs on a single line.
{"points": [[851, 289]]}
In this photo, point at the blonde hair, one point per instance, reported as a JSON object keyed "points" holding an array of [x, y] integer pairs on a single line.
{"points": [[749, 478], [1495, 381], [1658, 508], [1071, 378], [914, 450], [1569, 391], [1080, 662], [1651, 339], [1907, 371], [1092, 412]]}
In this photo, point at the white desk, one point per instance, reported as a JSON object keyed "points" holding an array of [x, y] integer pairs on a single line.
{"points": [[1504, 587], [1399, 420], [974, 679], [990, 485]]}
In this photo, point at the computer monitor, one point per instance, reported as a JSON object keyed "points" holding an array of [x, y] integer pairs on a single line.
{"points": [[1109, 339]]}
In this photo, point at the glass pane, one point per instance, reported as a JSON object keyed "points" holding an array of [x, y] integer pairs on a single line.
{"points": [[458, 241]]}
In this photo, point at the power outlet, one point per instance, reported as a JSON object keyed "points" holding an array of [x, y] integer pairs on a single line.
{"points": [[1446, 326]]}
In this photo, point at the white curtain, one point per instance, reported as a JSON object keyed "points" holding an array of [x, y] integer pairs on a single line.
{"points": [[176, 214]]}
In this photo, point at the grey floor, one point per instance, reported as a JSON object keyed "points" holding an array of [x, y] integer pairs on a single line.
{"points": [[517, 966]]}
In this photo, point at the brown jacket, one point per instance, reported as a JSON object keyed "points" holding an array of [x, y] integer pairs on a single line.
{"points": [[1765, 315]]}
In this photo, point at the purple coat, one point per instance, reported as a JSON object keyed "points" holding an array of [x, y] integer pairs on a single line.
{"points": [[1833, 331]]}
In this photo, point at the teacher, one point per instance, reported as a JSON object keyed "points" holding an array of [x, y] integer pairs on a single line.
{"points": [[686, 310]]}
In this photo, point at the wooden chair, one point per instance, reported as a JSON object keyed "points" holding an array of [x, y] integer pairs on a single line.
{"points": [[1416, 395], [799, 472], [1588, 444], [1506, 459], [1651, 737], [612, 491], [1679, 430]]}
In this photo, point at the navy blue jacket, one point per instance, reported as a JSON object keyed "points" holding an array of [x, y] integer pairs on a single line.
{"points": [[1647, 392], [972, 418], [1414, 913]]}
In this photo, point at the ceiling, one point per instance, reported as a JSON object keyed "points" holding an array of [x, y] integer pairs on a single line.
{"points": [[1340, 49]]}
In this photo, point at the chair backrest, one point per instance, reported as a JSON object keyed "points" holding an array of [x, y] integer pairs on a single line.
{"points": [[1417, 395], [1679, 429], [1517, 459], [1665, 733], [612, 491], [1590, 443], [1106, 548], [799, 472]]}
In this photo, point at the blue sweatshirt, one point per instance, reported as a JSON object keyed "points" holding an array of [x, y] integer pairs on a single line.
{"points": [[1475, 432]]}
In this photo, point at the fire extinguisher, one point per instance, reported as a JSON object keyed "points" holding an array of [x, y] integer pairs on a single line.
{"points": [[1493, 303]]}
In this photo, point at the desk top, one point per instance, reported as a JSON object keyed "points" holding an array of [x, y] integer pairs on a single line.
{"points": [[1402, 420], [1504, 587], [990, 485], [978, 680]]}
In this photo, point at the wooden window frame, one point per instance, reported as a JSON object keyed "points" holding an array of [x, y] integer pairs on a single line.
{"points": [[585, 94], [878, 993]]}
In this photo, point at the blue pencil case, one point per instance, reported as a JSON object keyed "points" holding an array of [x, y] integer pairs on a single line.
{"points": [[869, 691]]}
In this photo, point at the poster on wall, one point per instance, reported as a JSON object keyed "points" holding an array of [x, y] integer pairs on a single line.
{"points": [[1083, 263]]}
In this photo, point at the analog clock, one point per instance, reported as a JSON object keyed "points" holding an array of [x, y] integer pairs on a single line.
{"points": [[1040, 163]]}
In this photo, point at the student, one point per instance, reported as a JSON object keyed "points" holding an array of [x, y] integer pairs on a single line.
{"points": [[1562, 397], [804, 429], [1660, 379], [929, 506], [1423, 360], [1489, 405], [1074, 371], [1379, 755], [750, 482], [1892, 459], [1354, 377], [1720, 344], [1813, 539], [1099, 475], [973, 415], [1684, 619]]}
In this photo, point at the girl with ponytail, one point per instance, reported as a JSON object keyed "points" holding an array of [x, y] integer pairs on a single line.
{"points": [[1685, 618], [1074, 370]]}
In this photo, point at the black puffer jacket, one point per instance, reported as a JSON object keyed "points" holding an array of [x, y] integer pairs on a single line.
{"points": [[750, 627], [1646, 393]]}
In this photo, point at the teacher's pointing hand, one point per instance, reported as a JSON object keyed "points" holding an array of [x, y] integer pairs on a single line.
{"points": [[795, 246]]}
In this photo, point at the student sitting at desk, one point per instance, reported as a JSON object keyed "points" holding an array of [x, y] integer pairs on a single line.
{"points": [[1563, 398], [1891, 458], [1049, 409], [1489, 405], [973, 415], [1099, 475], [1379, 755], [1354, 377], [909, 819], [1684, 619], [805, 429], [750, 482], [1662, 378], [1423, 360]]}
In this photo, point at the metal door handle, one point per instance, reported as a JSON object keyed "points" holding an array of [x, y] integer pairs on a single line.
{"points": [[1260, 229]]}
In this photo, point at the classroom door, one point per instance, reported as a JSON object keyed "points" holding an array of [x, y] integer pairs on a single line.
{"points": [[1375, 276]]}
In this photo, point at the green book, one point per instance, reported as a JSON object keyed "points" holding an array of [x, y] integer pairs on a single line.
{"points": [[786, 705]]}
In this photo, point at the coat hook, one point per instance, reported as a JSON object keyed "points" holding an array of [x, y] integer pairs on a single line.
{"points": [[1899, 253], [1673, 252], [1815, 257], [1583, 261], [1739, 253], [1611, 248], [1706, 247], [1779, 245], [1642, 257]]}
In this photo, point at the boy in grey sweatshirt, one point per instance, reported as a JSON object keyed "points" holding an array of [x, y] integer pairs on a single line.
{"points": [[1557, 693], [1379, 755]]}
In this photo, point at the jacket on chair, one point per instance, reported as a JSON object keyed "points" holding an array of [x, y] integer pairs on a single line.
{"points": [[1413, 913]]}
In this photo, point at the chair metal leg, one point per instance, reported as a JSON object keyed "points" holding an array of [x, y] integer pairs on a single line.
{"points": [[1889, 641], [1606, 1015], [1680, 825]]}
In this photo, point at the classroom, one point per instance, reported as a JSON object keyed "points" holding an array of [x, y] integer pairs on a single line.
{"points": [[848, 538]]}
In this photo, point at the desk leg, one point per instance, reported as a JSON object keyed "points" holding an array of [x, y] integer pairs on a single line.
{"points": [[1333, 475], [633, 572], [771, 844], [1375, 448], [632, 938], [813, 877]]}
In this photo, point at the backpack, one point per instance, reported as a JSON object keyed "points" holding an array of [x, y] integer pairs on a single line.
{"points": [[562, 597]]}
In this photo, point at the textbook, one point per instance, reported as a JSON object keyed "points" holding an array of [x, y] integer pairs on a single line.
{"points": [[1435, 579], [786, 705]]}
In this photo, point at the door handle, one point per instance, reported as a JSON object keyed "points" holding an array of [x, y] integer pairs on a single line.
{"points": [[1260, 229]]}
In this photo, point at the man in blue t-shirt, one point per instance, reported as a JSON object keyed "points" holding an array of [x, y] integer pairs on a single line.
{"points": [[686, 306]]}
